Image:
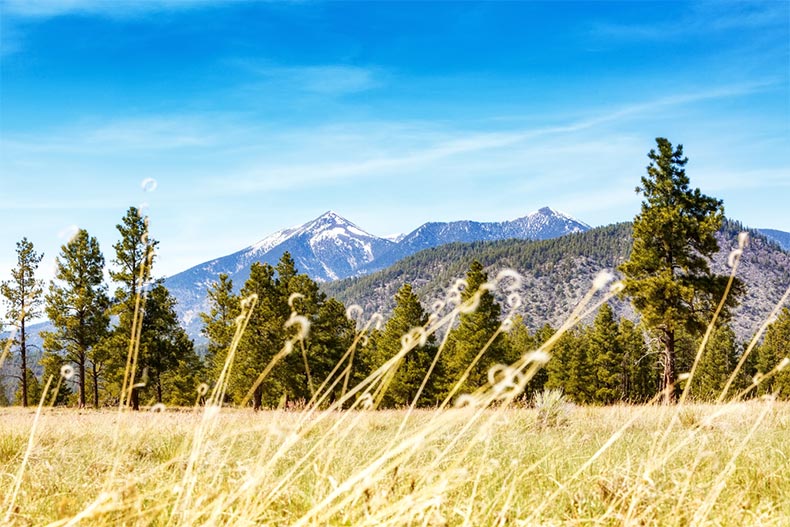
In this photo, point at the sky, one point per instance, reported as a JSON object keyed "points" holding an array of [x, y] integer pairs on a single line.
{"points": [[244, 118]]}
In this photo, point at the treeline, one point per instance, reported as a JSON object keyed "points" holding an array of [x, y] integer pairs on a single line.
{"points": [[298, 344], [102, 347]]}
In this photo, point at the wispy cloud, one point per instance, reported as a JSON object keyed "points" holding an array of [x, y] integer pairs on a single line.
{"points": [[107, 8], [321, 79], [362, 152], [699, 18], [117, 136]]}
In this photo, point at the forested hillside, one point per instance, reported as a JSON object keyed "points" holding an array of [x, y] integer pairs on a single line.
{"points": [[559, 271]]}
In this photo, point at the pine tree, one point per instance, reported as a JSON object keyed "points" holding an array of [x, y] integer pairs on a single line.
{"points": [[134, 256], [775, 349], [33, 387], [219, 324], [261, 341], [331, 335], [52, 364], [4, 399], [520, 341], [22, 296], [77, 306], [581, 379], [606, 357], [667, 275], [406, 377], [570, 368], [718, 361], [163, 342], [473, 333], [641, 379]]}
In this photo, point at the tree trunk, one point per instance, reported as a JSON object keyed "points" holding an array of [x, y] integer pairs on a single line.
{"points": [[668, 379], [257, 397], [95, 387], [82, 382], [158, 389], [135, 399], [23, 355]]}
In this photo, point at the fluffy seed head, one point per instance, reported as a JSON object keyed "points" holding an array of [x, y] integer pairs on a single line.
{"points": [[302, 322], [743, 239], [601, 279], [510, 275], [149, 184], [292, 298], [354, 311], [734, 255]]}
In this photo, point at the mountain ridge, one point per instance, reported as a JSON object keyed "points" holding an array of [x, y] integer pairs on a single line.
{"points": [[330, 247]]}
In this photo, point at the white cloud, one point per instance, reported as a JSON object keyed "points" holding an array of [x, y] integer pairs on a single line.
{"points": [[321, 79]]}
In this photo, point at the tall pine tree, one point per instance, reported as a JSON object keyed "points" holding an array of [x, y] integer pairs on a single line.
{"points": [[667, 275], [219, 324], [134, 256], [473, 333], [607, 357], [77, 306], [23, 298], [163, 342], [407, 375], [717, 362]]}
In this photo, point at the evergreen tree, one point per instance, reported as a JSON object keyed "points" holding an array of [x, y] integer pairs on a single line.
{"points": [[219, 324], [775, 349], [581, 378], [639, 366], [606, 357], [473, 333], [134, 256], [331, 335], [667, 275], [407, 375], [53, 367], [562, 353], [77, 306], [163, 342], [22, 296], [717, 362], [261, 341], [300, 372], [520, 341], [4, 400], [32, 386]]}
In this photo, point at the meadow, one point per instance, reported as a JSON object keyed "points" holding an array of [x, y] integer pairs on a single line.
{"points": [[510, 465], [492, 456]]}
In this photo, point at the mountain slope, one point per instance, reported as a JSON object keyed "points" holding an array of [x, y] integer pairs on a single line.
{"points": [[326, 248], [330, 247], [780, 237], [542, 224], [558, 272]]}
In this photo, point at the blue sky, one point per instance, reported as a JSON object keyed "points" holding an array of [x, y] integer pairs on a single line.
{"points": [[255, 116]]}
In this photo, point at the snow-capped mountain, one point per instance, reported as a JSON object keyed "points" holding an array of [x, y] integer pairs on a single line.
{"points": [[330, 247], [539, 225], [327, 248]]}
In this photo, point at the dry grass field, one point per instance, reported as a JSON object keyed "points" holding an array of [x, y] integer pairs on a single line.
{"points": [[622, 465]]}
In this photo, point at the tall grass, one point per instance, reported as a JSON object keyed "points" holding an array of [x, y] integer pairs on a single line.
{"points": [[481, 458]]}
